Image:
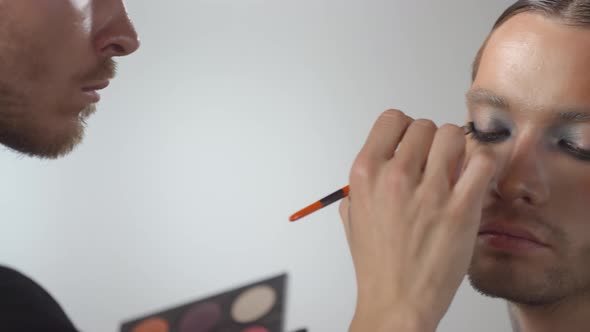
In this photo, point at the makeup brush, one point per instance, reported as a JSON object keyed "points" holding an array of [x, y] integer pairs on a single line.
{"points": [[340, 194], [322, 203]]}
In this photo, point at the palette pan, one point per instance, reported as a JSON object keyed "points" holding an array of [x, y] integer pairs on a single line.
{"points": [[257, 307]]}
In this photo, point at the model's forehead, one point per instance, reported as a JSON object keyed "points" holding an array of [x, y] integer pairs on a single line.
{"points": [[540, 60]]}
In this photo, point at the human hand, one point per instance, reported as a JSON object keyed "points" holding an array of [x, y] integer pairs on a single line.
{"points": [[411, 221]]}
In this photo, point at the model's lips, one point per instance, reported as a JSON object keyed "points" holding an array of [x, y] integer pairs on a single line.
{"points": [[511, 232]]}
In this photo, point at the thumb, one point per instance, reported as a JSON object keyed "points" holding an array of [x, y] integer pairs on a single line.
{"points": [[472, 185], [344, 210]]}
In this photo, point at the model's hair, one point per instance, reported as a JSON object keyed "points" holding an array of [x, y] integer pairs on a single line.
{"points": [[572, 12]]}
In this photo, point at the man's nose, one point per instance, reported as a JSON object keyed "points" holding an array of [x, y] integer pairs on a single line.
{"points": [[523, 176], [117, 35]]}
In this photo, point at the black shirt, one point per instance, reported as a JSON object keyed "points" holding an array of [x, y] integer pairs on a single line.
{"points": [[26, 307]]}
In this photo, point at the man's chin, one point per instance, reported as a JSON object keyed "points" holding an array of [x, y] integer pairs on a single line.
{"points": [[87, 112], [42, 142]]}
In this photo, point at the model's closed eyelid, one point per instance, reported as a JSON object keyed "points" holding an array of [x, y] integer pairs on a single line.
{"points": [[575, 150], [486, 119], [490, 116], [487, 136], [580, 137], [574, 142]]}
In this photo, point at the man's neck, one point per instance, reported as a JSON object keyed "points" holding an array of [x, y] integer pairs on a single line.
{"points": [[513, 319], [571, 316]]}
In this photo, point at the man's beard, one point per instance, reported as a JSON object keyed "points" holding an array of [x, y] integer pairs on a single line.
{"points": [[22, 129], [32, 138]]}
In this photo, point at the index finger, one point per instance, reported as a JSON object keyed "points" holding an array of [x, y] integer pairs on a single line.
{"points": [[386, 134]]}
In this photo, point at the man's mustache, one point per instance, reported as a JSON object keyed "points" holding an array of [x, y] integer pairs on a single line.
{"points": [[106, 70]]}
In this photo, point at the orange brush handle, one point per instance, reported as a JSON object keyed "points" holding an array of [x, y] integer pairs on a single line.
{"points": [[322, 203]]}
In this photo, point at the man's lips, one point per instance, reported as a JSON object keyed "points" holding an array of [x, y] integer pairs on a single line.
{"points": [[96, 86], [511, 231], [91, 93]]}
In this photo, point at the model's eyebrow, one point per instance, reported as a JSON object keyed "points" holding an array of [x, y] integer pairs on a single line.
{"points": [[574, 114], [486, 97]]}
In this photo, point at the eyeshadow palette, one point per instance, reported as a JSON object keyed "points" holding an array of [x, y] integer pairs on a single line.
{"points": [[257, 307]]}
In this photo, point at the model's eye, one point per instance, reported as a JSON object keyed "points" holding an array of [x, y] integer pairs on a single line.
{"points": [[575, 150], [495, 136]]}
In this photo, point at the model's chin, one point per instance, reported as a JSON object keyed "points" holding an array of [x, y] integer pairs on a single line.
{"points": [[518, 281]]}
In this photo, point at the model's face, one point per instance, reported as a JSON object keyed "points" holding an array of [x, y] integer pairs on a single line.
{"points": [[530, 103], [54, 56]]}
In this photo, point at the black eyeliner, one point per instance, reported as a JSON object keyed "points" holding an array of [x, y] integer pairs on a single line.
{"points": [[487, 138], [575, 151], [468, 128]]}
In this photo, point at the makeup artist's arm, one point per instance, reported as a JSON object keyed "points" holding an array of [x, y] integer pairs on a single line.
{"points": [[412, 226]]}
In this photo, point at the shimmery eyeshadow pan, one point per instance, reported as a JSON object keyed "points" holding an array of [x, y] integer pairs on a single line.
{"points": [[256, 329], [201, 318], [253, 304], [152, 325]]}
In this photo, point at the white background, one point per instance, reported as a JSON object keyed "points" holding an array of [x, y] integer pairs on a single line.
{"points": [[233, 115]]}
